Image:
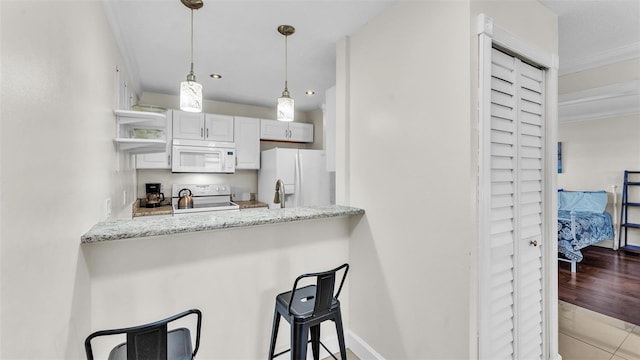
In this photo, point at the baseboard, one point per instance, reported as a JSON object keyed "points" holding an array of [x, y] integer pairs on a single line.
{"points": [[360, 348]]}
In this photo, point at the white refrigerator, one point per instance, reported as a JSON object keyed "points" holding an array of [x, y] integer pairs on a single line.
{"points": [[303, 172]]}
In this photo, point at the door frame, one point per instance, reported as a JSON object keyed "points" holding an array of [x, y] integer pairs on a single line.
{"points": [[489, 34]]}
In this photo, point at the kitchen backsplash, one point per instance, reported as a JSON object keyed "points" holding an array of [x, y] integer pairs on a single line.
{"points": [[242, 181]]}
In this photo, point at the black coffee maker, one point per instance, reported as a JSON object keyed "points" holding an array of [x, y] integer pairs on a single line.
{"points": [[154, 196]]}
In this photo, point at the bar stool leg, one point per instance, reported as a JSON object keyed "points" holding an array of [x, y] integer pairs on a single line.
{"points": [[339, 331], [299, 339], [274, 333], [315, 341]]}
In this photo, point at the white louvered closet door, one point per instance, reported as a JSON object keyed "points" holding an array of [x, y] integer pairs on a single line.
{"points": [[511, 313]]}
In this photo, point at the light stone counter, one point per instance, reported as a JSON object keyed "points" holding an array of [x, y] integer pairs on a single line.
{"points": [[150, 226]]}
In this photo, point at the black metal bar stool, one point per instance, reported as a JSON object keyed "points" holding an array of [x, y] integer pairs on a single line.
{"points": [[152, 341], [305, 309]]}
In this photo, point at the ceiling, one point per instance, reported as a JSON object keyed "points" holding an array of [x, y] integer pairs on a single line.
{"points": [[239, 40], [589, 31]]}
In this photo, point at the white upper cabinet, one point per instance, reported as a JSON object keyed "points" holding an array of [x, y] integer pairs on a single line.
{"points": [[247, 140], [218, 127], [188, 125], [300, 132], [286, 131], [274, 130], [199, 126]]}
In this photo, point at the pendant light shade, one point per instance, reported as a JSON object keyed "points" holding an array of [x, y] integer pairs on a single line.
{"points": [[190, 90], [285, 108], [190, 96]]}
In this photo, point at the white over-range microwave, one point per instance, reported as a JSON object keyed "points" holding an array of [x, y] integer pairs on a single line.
{"points": [[203, 156]]}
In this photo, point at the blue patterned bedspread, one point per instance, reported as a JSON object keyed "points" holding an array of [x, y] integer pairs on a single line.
{"points": [[590, 228]]}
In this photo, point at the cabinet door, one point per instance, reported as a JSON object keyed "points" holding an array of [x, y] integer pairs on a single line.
{"points": [[154, 161], [274, 130], [247, 139], [188, 125], [161, 160], [218, 127], [300, 132]]}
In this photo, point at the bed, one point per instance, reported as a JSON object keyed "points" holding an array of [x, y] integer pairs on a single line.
{"points": [[583, 221]]}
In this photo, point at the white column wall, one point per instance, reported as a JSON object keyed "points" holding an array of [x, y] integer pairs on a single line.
{"points": [[408, 141], [58, 168]]}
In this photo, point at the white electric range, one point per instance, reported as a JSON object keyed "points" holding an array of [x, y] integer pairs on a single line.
{"points": [[206, 198]]}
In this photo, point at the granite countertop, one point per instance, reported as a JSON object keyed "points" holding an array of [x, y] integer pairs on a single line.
{"points": [[156, 226]]}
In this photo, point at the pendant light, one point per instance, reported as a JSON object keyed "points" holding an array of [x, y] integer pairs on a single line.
{"points": [[190, 90], [285, 103]]}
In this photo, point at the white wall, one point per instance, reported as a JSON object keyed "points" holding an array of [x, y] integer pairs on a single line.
{"points": [[409, 168], [596, 153], [58, 168], [411, 162]]}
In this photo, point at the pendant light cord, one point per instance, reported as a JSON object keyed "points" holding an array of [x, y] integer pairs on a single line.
{"points": [[191, 41], [286, 63]]}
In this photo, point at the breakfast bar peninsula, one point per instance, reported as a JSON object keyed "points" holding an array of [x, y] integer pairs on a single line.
{"points": [[230, 265]]}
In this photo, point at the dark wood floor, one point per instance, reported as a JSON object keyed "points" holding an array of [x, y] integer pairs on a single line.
{"points": [[607, 282]]}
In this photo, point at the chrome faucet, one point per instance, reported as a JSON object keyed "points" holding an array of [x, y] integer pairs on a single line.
{"points": [[279, 196]]}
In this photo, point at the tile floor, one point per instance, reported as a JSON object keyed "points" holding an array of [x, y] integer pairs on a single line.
{"points": [[587, 335], [350, 356]]}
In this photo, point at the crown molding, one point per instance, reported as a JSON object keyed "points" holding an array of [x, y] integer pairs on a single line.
{"points": [[599, 103], [628, 52], [124, 45]]}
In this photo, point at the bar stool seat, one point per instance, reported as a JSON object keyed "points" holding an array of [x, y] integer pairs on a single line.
{"points": [[305, 308]]}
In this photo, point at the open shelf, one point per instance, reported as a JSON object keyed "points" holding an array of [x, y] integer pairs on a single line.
{"points": [[140, 146], [129, 122]]}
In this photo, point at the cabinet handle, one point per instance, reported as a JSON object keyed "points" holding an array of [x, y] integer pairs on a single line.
{"points": [[201, 132], [533, 242], [169, 160], [207, 133]]}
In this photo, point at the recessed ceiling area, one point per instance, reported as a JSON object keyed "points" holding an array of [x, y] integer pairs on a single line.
{"points": [[239, 41], [590, 32]]}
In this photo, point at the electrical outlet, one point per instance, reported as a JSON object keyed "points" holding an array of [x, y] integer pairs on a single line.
{"points": [[107, 207]]}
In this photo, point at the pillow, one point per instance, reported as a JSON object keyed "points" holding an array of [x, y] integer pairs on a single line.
{"points": [[591, 201]]}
